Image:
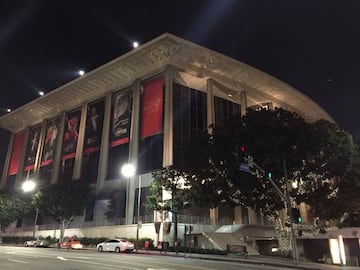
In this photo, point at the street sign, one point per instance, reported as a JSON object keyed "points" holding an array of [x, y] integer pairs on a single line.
{"points": [[244, 167]]}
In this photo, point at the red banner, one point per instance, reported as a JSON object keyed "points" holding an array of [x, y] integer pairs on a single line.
{"points": [[152, 110], [16, 153]]}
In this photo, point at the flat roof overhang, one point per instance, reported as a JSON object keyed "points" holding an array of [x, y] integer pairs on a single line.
{"points": [[155, 56]]}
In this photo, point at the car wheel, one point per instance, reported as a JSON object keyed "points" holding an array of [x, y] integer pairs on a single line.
{"points": [[100, 248], [117, 250], [25, 244], [35, 245]]}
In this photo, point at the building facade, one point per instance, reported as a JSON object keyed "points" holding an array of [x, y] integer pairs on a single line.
{"points": [[141, 108]]}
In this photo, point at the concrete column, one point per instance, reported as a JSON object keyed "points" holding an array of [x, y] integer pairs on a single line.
{"points": [[133, 153], [40, 148], [57, 156], [80, 144], [104, 147], [243, 102], [7, 161], [20, 174], [168, 119], [214, 212], [210, 102]]}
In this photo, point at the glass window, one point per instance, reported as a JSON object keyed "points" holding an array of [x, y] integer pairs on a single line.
{"points": [[189, 114], [143, 210], [90, 166], [118, 156], [89, 211], [224, 109], [66, 171], [150, 153]]}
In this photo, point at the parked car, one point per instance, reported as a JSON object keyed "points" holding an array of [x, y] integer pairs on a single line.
{"points": [[115, 245], [36, 243], [70, 242]]}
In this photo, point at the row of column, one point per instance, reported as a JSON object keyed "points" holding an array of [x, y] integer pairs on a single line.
{"points": [[104, 148]]}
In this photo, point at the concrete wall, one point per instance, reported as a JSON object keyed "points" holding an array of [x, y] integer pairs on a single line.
{"points": [[122, 231]]}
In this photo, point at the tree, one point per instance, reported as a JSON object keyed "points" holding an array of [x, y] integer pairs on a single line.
{"points": [[316, 155], [11, 208], [174, 182], [63, 201]]}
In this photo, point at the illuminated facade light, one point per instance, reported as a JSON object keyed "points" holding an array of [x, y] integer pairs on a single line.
{"points": [[135, 44]]}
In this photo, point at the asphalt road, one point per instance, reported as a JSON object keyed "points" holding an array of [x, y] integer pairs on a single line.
{"points": [[19, 258]]}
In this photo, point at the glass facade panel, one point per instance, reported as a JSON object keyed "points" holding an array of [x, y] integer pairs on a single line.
{"points": [[118, 156], [90, 166], [225, 109], [66, 169], [189, 116], [150, 154]]}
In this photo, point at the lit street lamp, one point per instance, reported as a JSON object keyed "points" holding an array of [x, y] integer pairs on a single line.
{"points": [[128, 170], [29, 186]]}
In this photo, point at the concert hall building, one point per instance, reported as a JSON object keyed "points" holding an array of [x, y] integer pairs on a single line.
{"points": [[140, 108]]}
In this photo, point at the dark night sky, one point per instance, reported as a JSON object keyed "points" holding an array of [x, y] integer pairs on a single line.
{"points": [[312, 45]]}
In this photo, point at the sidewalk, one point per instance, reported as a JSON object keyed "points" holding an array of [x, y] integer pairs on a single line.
{"points": [[267, 260]]}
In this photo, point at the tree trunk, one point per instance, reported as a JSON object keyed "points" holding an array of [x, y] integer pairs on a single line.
{"points": [[175, 228], [62, 230], [283, 234]]}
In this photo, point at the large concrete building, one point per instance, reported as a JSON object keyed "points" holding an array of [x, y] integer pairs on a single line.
{"points": [[140, 108]]}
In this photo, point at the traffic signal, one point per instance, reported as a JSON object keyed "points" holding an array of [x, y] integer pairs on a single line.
{"points": [[240, 153], [295, 215]]}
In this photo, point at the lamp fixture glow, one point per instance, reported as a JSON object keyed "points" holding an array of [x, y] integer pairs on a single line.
{"points": [[41, 93], [81, 72], [128, 170], [28, 186], [135, 44], [8, 110]]}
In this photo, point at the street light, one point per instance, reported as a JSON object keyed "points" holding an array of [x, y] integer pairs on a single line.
{"points": [[128, 170], [29, 186]]}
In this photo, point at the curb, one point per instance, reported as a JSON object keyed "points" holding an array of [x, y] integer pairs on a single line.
{"points": [[234, 260]]}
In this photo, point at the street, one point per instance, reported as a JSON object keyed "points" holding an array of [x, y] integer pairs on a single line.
{"points": [[18, 258]]}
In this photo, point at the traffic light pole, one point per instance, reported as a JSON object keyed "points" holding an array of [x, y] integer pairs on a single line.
{"points": [[292, 231], [286, 200]]}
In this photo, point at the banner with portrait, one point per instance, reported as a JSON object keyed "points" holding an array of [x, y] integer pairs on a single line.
{"points": [[32, 147], [152, 108], [50, 141], [71, 135], [16, 153], [121, 117], [94, 125]]}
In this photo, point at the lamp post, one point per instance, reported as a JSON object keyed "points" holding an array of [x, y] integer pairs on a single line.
{"points": [[29, 186], [128, 170]]}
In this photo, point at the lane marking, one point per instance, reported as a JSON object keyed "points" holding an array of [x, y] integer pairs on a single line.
{"points": [[61, 258], [108, 265], [17, 261]]}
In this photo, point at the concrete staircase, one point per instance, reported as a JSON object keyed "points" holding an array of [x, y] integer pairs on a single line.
{"points": [[221, 239]]}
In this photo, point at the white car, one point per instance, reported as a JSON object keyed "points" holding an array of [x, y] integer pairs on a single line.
{"points": [[116, 245], [36, 243]]}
